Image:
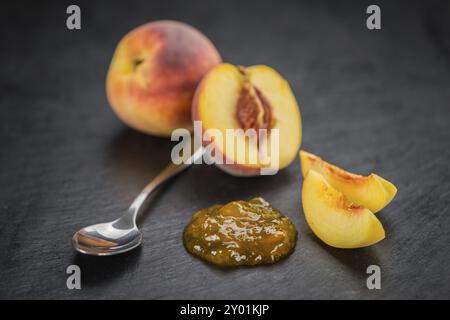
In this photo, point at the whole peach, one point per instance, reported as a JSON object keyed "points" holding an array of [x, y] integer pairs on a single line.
{"points": [[154, 73]]}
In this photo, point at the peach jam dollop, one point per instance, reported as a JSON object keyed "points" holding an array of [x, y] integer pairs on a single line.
{"points": [[240, 233]]}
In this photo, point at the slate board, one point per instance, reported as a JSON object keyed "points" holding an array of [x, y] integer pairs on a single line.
{"points": [[371, 101]]}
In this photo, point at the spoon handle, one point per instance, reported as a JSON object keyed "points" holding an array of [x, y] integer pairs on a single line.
{"points": [[167, 173]]}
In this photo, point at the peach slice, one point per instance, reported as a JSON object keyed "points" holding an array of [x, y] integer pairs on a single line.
{"points": [[256, 97], [154, 73], [334, 219], [373, 192]]}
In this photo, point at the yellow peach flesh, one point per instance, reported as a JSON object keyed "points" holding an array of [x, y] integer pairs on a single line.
{"points": [[373, 191], [334, 219], [215, 105]]}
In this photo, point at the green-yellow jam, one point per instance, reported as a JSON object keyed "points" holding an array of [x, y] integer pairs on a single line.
{"points": [[240, 233]]}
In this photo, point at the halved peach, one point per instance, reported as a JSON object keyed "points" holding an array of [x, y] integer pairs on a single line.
{"points": [[256, 97], [334, 219], [373, 192]]}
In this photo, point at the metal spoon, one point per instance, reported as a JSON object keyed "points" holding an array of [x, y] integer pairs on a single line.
{"points": [[122, 235]]}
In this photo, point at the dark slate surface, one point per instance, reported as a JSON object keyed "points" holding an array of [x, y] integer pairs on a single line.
{"points": [[370, 100]]}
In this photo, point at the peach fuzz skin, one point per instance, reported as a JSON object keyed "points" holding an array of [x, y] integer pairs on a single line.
{"points": [[154, 73]]}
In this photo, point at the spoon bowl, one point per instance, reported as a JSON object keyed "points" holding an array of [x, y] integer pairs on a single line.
{"points": [[122, 235], [106, 239]]}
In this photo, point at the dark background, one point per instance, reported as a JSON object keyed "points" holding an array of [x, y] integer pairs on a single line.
{"points": [[371, 101]]}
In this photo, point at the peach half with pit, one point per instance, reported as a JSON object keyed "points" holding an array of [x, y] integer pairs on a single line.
{"points": [[372, 191], [254, 99], [334, 219], [154, 73]]}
